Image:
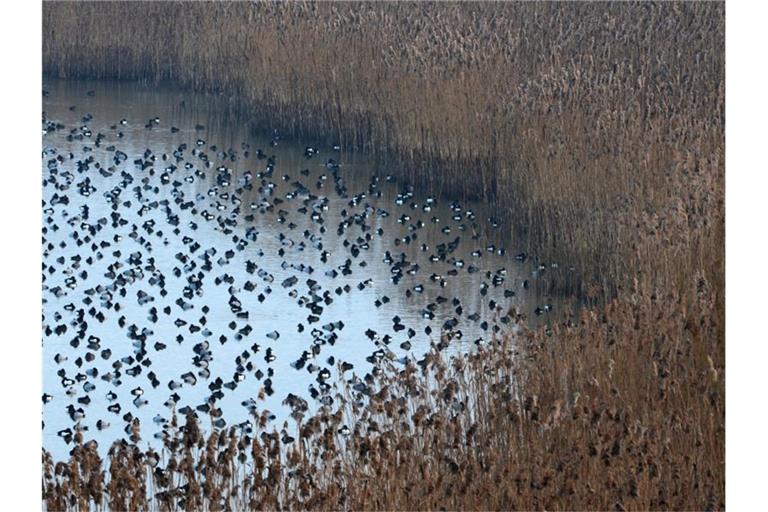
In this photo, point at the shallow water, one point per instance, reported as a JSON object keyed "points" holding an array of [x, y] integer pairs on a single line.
{"points": [[130, 237]]}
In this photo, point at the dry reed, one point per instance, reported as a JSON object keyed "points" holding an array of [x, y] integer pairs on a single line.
{"points": [[592, 126], [597, 129], [621, 410]]}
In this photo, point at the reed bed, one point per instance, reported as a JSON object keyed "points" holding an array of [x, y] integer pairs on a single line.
{"points": [[598, 131], [618, 410], [592, 126]]}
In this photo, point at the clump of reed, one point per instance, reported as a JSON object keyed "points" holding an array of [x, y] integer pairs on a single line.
{"points": [[592, 126], [617, 410]]}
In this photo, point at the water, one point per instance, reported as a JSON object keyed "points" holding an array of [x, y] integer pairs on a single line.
{"points": [[284, 249]]}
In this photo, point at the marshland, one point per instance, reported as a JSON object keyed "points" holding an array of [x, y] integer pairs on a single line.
{"points": [[231, 190]]}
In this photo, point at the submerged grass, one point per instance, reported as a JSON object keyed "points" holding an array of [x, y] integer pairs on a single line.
{"points": [[598, 131]]}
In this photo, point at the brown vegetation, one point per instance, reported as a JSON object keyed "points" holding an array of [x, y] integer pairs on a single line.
{"points": [[611, 411], [598, 128], [594, 126]]}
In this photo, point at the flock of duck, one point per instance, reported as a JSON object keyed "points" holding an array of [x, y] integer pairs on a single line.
{"points": [[196, 277]]}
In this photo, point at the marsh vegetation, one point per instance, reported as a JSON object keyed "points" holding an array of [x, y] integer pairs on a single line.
{"points": [[595, 130]]}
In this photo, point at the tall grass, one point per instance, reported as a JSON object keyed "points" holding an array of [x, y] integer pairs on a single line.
{"points": [[621, 410], [592, 125], [597, 129]]}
